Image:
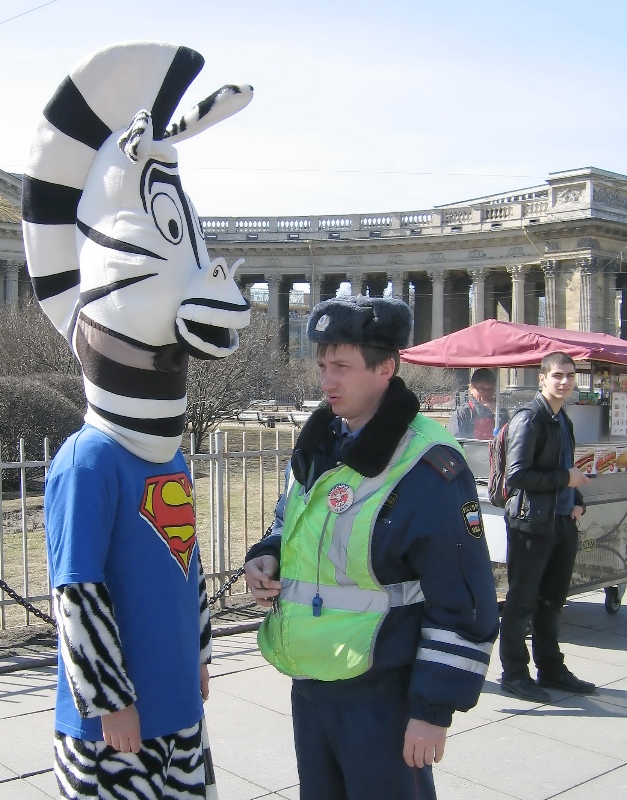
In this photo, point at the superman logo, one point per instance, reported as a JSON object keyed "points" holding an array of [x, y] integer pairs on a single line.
{"points": [[168, 506]]}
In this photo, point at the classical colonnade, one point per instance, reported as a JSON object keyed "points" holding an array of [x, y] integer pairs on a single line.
{"points": [[551, 254]]}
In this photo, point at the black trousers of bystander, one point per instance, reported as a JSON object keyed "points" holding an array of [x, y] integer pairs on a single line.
{"points": [[539, 570]]}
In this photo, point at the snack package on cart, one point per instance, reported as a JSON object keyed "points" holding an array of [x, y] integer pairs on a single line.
{"points": [[584, 459], [605, 460], [621, 458]]}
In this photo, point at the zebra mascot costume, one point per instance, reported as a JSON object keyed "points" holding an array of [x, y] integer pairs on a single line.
{"points": [[118, 262]]}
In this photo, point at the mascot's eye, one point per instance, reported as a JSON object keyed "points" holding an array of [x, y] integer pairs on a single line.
{"points": [[167, 217]]}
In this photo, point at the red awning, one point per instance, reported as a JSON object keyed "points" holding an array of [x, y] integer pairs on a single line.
{"points": [[510, 344]]}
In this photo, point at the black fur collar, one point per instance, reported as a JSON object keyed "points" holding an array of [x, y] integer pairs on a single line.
{"points": [[372, 450]]}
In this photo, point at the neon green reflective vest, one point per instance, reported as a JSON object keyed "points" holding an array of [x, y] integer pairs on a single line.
{"points": [[325, 554]]}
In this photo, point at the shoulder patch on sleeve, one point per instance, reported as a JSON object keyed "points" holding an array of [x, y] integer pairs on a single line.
{"points": [[471, 512], [445, 461]]}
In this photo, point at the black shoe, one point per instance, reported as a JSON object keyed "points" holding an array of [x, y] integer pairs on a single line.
{"points": [[564, 679], [525, 688]]}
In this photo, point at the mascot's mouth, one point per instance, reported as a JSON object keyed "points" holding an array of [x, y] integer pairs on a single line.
{"points": [[205, 341], [207, 328]]}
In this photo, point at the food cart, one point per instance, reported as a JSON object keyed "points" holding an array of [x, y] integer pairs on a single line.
{"points": [[599, 414]]}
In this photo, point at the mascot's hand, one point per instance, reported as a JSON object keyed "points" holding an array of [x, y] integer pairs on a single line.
{"points": [[121, 730], [204, 681]]}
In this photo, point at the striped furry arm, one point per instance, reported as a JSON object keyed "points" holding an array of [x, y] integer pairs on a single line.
{"points": [[91, 648], [205, 617]]}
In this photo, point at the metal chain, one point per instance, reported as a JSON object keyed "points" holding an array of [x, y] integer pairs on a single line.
{"points": [[47, 618], [28, 606], [236, 575]]}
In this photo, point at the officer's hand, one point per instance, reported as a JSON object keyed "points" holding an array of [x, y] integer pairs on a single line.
{"points": [[424, 743], [577, 478], [260, 572], [121, 730]]}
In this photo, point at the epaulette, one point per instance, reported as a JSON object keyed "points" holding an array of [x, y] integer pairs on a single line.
{"points": [[445, 460]]}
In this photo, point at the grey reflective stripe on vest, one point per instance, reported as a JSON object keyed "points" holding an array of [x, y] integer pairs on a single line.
{"points": [[338, 550], [352, 598]]}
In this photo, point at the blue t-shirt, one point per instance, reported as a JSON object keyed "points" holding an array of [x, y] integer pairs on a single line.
{"points": [[112, 517]]}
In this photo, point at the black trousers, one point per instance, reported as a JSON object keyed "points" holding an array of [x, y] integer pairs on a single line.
{"points": [[349, 740], [539, 569]]}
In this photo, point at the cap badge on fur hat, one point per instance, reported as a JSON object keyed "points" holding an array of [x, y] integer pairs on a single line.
{"points": [[323, 323], [373, 321]]}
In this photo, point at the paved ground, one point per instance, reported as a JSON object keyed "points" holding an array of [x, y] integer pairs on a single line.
{"points": [[573, 749]]}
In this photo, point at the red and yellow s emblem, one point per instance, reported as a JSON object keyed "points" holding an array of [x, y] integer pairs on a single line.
{"points": [[168, 506]]}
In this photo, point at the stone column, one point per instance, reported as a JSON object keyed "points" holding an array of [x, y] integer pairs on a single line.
{"points": [[2, 295], [550, 303], [315, 285], [12, 271], [517, 274], [604, 288], [437, 317], [612, 323], [357, 283], [274, 285], [398, 285], [586, 295], [423, 305], [478, 295]]}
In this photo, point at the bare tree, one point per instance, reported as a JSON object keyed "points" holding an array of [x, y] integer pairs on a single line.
{"points": [[300, 381], [30, 344], [429, 384], [218, 389]]}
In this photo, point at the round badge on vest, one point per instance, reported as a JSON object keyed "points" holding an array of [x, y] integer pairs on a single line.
{"points": [[340, 498]]}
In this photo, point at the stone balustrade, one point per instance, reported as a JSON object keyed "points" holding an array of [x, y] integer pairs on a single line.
{"points": [[568, 194]]}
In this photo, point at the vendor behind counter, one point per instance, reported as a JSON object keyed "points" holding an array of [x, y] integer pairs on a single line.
{"points": [[475, 419]]}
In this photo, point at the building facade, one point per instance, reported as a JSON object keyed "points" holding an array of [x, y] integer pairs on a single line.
{"points": [[14, 280], [550, 254]]}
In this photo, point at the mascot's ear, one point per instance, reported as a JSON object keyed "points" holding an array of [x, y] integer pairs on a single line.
{"points": [[221, 104], [136, 140]]}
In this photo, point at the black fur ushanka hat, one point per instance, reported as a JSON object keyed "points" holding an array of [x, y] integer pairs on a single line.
{"points": [[374, 321]]}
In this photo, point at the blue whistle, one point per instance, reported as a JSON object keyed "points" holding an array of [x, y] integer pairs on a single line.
{"points": [[316, 605]]}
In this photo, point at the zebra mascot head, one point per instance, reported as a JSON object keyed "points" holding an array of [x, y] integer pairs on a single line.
{"points": [[114, 246]]}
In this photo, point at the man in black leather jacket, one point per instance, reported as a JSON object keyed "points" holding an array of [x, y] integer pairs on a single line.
{"points": [[541, 518]]}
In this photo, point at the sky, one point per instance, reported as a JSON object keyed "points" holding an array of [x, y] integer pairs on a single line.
{"points": [[360, 106]]}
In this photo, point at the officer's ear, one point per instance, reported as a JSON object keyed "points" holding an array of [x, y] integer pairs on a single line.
{"points": [[388, 368]]}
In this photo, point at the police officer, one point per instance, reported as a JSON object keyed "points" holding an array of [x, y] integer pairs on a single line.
{"points": [[384, 610]]}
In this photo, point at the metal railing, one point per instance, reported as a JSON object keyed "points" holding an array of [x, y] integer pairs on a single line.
{"points": [[236, 485]]}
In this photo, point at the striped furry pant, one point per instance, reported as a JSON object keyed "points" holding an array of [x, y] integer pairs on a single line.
{"points": [[173, 767]]}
